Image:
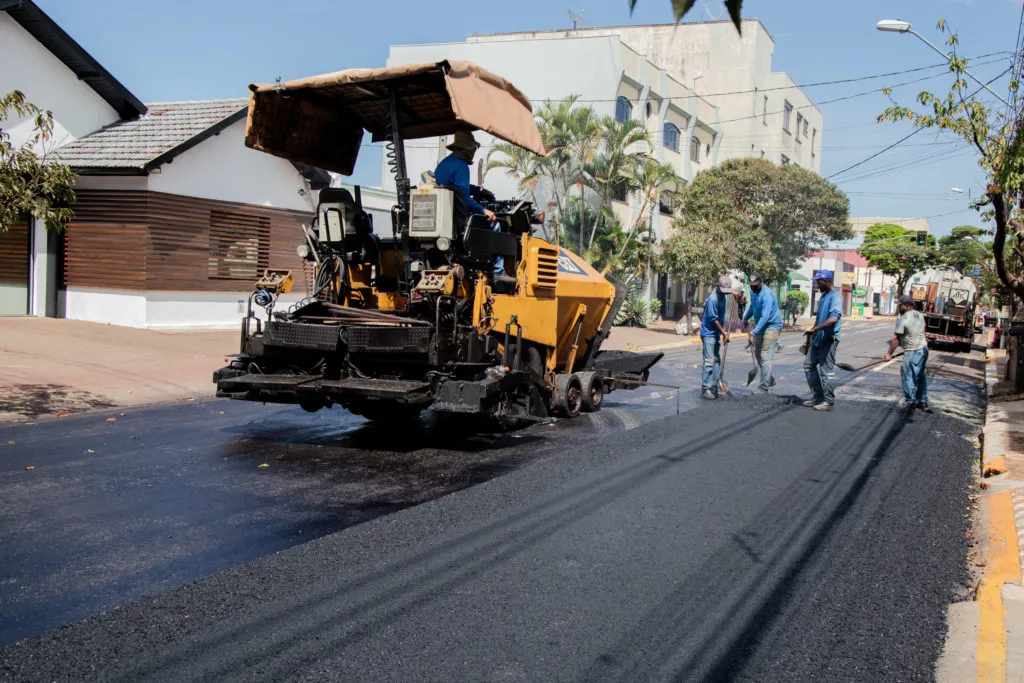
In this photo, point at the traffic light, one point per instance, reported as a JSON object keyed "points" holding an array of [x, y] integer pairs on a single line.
{"points": [[922, 238]]}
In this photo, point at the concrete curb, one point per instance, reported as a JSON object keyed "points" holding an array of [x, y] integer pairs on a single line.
{"points": [[1001, 556]]}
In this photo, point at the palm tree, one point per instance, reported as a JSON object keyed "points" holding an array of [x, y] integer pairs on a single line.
{"points": [[521, 164], [650, 178], [619, 141], [552, 121]]}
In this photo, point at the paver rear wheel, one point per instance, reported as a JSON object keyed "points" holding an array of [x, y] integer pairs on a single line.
{"points": [[569, 395], [593, 391]]}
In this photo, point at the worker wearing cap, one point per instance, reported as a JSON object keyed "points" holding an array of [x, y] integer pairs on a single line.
{"points": [[454, 171], [712, 335], [764, 309], [820, 362], [910, 335]]}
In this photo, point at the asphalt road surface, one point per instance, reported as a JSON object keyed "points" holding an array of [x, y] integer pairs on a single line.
{"points": [[744, 539]]}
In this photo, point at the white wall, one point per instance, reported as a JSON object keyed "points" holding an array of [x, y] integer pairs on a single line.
{"points": [[163, 310], [106, 306], [27, 66], [222, 167]]}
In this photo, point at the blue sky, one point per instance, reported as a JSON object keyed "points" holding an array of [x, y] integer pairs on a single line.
{"points": [[191, 49]]}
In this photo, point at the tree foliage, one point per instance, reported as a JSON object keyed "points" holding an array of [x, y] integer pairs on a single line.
{"points": [[893, 250], [999, 142], [32, 183], [753, 215]]}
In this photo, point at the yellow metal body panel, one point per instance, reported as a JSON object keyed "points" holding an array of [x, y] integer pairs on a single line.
{"points": [[547, 318]]}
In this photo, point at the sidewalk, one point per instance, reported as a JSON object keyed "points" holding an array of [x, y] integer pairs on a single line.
{"points": [[1000, 596], [51, 367]]}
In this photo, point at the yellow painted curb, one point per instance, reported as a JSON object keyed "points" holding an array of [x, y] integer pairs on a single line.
{"points": [[1002, 566]]}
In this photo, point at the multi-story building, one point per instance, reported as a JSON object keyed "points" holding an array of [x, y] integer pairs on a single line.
{"points": [[704, 92]]}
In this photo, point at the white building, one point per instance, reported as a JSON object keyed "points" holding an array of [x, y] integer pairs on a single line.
{"points": [[175, 219]]}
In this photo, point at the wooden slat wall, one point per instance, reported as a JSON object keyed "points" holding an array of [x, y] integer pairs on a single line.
{"points": [[14, 246], [175, 240], [107, 255]]}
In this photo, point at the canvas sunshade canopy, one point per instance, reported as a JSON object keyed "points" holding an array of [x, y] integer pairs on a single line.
{"points": [[320, 120]]}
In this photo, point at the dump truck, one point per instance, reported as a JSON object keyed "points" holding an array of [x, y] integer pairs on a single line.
{"points": [[948, 302], [406, 317]]}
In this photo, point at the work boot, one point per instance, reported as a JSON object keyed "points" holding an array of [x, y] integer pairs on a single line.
{"points": [[823, 407], [708, 395], [813, 402]]}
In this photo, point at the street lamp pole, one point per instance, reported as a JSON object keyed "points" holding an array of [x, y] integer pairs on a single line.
{"points": [[897, 26]]}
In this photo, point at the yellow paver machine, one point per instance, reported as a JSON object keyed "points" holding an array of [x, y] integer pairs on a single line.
{"points": [[412, 317]]}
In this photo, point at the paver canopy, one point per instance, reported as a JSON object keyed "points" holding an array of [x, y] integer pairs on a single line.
{"points": [[320, 120]]}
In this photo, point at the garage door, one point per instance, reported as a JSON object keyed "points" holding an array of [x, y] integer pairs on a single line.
{"points": [[14, 255]]}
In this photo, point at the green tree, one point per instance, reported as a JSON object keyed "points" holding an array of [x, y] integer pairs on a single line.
{"points": [[893, 250], [787, 210], [31, 181], [999, 142]]}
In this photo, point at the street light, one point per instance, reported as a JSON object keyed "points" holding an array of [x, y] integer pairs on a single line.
{"points": [[897, 26]]}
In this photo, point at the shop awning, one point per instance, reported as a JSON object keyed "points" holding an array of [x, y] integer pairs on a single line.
{"points": [[794, 276]]}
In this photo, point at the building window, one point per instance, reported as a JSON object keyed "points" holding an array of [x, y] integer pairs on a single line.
{"points": [[671, 137], [764, 112], [648, 109], [785, 160], [805, 127], [665, 204], [799, 124], [239, 245], [623, 109], [787, 113], [814, 135], [619, 192], [694, 149]]}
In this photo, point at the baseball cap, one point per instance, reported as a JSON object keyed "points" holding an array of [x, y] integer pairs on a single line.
{"points": [[907, 300], [756, 279], [823, 275], [725, 285]]}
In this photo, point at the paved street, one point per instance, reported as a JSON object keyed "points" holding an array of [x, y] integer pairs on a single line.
{"points": [[745, 539]]}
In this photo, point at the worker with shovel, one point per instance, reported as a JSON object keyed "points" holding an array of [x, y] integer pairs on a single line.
{"points": [[910, 335], [822, 343], [764, 309], [713, 334]]}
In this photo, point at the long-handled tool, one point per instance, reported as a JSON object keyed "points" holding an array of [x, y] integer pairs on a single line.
{"points": [[850, 368], [723, 386], [753, 371]]}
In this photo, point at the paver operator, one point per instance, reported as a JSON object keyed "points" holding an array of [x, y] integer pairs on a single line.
{"points": [[764, 309], [823, 338], [909, 334], [454, 171]]}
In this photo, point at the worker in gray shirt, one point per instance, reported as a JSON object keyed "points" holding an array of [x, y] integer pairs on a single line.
{"points": [[910, 335]]}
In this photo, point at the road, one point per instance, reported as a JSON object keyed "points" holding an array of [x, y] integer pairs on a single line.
{"points": [[744, 539]]}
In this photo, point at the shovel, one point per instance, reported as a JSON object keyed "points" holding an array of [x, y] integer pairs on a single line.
{"points": [[850, 368], [723, 386], [753, 371]]}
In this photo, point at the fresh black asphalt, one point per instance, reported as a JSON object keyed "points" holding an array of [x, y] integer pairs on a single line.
{"points": [[749, 539]]}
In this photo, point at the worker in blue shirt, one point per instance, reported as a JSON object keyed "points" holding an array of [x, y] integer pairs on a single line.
{"points": [[820, 363], [712, 335], [764, 309], [454, 171]]}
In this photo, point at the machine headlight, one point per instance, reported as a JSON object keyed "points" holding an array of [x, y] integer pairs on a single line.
{"points": [[302, 250], [444, 244]]}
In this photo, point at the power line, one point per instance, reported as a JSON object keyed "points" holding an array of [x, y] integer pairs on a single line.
{"points": [[904, 138]]}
